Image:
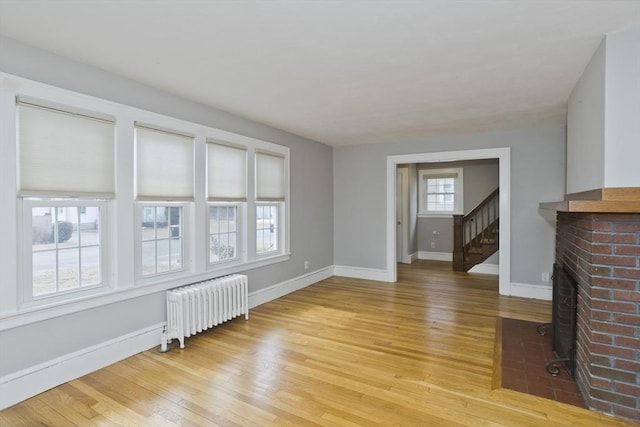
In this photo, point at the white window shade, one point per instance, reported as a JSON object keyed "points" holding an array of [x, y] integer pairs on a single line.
{"points": [[270, 177], [65, 154], [226, 173], [164, 165]]}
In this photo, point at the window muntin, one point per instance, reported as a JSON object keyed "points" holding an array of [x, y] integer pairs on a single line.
{"points": [[224, 233], [66, 248], [441, 191], [267, 229], [162, 240]]}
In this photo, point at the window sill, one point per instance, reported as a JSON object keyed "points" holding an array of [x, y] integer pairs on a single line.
{"points": [[42, 312]]}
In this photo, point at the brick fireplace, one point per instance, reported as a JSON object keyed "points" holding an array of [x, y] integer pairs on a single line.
{"points": [[601, 251]]}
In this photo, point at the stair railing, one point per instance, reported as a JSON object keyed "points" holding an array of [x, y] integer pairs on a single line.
{"points": [[470, 231]]}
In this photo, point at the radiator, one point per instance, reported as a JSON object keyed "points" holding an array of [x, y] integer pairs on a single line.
{"points": [[194, 308]]}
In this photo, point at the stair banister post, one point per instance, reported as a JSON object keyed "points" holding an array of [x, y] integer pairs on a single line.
{"points": [[458, 243]]}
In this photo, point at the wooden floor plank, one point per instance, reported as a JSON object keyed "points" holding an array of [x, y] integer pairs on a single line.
{"points": [[342, 352]]}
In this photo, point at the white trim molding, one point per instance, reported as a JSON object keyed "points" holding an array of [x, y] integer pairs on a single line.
{"points": [[435, 256], [278, 290], [26, 383], [361, 273], [504, 157], [526, 290]]}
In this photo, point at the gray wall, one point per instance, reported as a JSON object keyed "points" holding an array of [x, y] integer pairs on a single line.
{"points": [[585, 127], [537, 174], [602, 117], [311, 207], [480, 178]]}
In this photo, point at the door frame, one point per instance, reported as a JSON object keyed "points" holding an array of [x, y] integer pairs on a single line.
{"points": [[503, 155], [404, 203]]}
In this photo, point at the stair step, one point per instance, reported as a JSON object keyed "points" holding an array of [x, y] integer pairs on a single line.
{"points": [[488, 241]]}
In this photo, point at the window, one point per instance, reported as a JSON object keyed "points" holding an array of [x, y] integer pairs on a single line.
{"points": [[162, 240], [270, 196], [223, 233], [227, 194], [65, 248], [165, 178], [63, 216], [441, 191]]}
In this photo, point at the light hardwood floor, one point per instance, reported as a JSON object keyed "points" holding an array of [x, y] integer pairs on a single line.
{"points": [[342, 352]]}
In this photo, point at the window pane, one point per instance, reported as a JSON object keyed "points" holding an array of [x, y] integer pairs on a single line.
{"points": [[44, 273], [90, 268], [89, 234], [176, 253], [162, 256], [68, 269], [148, 257]]}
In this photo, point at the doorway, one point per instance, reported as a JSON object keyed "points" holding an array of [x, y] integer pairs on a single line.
{"points": [[504, 157]]}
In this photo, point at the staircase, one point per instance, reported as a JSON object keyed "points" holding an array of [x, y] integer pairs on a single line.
{"points": [[476, 235]]}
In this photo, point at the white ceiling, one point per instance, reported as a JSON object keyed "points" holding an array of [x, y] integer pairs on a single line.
{"points": [[340, 72]]}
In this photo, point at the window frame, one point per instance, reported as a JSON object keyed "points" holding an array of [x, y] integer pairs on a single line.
{"points": [[26, 205], [458, 193]]}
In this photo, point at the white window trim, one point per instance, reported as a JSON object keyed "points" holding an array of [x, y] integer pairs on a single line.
{"points": [[459, 193], [119, 223]]}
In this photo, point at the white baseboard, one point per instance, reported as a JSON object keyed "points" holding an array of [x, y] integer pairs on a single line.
{"points": [[526, 290], [361, 273], [486, 269], [24, 384], [278, 290], [435, 256], [413, 257]]}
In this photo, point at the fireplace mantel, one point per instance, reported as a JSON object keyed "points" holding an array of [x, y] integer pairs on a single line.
{"points": [[602, 200]]}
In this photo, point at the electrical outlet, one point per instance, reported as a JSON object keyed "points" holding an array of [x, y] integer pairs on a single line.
{"points": [[545, 277], [433, 244], [307, 264]]}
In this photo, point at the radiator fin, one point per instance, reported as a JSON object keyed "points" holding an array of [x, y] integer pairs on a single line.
{"points": [[194, 308]]}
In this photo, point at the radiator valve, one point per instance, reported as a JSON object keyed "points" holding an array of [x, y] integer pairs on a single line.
{"points": [[163, 342]]}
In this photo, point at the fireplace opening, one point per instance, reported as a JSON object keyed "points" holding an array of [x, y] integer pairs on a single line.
{"points": [[563, 322]]}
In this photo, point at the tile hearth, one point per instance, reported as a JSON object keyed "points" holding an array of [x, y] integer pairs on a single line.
{"points": [[524, 355]]}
